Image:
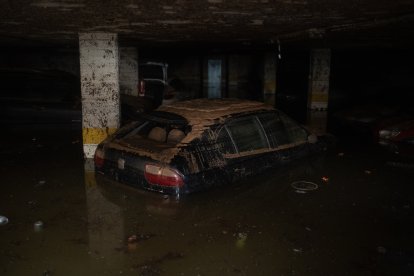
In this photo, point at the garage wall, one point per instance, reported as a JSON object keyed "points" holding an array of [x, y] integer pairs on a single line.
{"points": [[41, 59], [184, 75]]}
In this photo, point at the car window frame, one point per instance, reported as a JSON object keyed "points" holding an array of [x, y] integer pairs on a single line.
{"points": [[237, 151], [270, 148], [229, 137], [151, 121], [290, 120], [274, 136]]}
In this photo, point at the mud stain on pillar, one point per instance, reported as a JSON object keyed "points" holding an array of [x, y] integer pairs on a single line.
{"points": [[319, 90], [319, 79], [99, 71]]}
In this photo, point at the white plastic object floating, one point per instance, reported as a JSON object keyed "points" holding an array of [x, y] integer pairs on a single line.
{"points": [[3, 220]]}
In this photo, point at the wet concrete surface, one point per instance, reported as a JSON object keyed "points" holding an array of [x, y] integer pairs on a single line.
{"points": [[358, 222]]}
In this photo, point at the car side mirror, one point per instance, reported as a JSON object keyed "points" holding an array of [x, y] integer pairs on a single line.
{"points": [[312, 139]]}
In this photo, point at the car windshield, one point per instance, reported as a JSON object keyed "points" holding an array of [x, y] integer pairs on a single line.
{"points": [[161, 128]]}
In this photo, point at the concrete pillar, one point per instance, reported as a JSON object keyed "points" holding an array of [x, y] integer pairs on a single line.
{"points": [[99, 74], [128, 71], [320, 67], [269, 78]]}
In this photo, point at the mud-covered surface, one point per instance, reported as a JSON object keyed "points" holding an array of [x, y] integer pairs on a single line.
{"points": [[159, 22], [200, 114], [208, 110], [359, 220]]}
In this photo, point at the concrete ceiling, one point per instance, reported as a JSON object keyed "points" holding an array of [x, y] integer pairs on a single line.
{"points": [[333, 23]]}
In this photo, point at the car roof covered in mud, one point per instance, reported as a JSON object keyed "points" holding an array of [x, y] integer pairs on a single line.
{"points": [[200, 114], [209, 111]]}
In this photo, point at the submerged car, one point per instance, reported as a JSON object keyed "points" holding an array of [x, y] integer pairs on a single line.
{"points": [[398, 136], [193, 145], [363, 118]]}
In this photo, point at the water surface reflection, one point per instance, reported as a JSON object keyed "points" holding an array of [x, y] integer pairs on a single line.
{"points": [[358, 221]]}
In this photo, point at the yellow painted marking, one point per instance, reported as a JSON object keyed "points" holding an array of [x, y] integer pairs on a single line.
{"points": [[96, 135], [90, 180], [270, 87], [319, 97]]}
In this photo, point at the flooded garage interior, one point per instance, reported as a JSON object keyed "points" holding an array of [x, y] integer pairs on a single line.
{"points": [[358, 220], [346, 211]]}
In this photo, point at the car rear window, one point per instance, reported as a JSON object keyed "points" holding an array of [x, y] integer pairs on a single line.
{"points": [[158, 127]]}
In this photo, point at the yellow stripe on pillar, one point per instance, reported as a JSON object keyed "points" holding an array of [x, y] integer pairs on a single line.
{"points": [[319, 97], [96, 135]]}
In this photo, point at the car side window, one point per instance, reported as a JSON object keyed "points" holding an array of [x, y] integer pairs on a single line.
{"points": [[275, 129], [247, 134], [295, 131], [224, 141]]}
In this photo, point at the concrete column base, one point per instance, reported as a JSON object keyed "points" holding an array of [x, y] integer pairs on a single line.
{"points": [[317, 121]]}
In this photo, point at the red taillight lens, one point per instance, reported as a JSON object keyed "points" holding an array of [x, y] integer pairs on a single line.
{"points": [[141, 89], [163, 176], [99, 158]]}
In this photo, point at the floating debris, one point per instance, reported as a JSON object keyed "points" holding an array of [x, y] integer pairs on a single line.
{"points": [[341, 154], [304, 186], [132, 239], [401, 165], [381, 250], [368, 172], [325, 179], [40, 183], [241, 240], [38, 225], [297, 250], [140, 237], [3, 220]]}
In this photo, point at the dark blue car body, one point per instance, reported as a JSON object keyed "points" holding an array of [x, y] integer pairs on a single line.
{"points": [[212, 143]]}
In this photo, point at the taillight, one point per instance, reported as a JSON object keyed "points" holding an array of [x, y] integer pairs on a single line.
{"points": [[141, 89], [99, 157], [163, 176]]}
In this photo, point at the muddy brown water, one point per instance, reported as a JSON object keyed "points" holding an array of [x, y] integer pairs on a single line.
{"points": [[358, 222]]}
